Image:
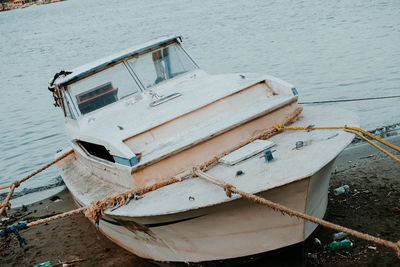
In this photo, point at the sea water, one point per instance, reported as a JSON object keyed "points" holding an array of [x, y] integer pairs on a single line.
{"points": [[327, 49]]}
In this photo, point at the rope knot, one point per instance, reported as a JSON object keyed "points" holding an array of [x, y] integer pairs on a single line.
{"points": [[95, 211], [17, 183], [228, 190], [278, 127]]}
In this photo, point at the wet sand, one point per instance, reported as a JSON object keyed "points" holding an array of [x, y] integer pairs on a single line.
{"points": [[373, 208], [62, 240]]}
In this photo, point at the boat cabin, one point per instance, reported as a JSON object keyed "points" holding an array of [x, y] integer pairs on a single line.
{"points": [[149, 113], [94, 86]]}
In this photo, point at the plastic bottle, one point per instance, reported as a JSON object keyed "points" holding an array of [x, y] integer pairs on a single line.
{"points": [[338, 236], [335, 245], [344, 189]]}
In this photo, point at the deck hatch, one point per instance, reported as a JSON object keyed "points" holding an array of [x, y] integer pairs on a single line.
{"points": [[246, 151]]}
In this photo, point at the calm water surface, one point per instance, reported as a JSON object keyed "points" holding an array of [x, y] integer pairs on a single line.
{"points": [[329, 50]]}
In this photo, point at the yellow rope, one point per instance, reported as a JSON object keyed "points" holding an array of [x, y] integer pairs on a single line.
{"points": [[96, 209], [373, 144], [375, 137], [228, 188], [355, 130]]}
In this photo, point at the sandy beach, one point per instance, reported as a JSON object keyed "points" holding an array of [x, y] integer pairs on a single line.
{"points": [[373, 206]]}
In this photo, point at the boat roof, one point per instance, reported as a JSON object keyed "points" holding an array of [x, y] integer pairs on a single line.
{"points": [[91, 67]]}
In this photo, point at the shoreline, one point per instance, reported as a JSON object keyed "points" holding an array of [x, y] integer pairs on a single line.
{"points": [[37, 3], [373, 208]]}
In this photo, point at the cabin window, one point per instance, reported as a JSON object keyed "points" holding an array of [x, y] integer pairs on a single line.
{"points": [[160, 65], [98, 151], [103, 88]]}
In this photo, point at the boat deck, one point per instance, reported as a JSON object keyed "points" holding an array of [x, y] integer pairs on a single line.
{"points": [[289, 165]]}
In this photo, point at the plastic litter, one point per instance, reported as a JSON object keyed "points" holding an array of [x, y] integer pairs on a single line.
{"points": [[339, 236], [344, 189], [44, 264], [344, 244], [14, 229]]}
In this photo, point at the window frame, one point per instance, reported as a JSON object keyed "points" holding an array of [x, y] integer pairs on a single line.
{"points": [[158, 48], [66, 102], [78, 113]]}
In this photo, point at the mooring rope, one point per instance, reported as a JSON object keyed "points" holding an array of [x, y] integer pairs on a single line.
{"points": [[96, 209], [229, 189], [6, 203], [264, 135], [38, 171], [373, 144], [348, 100], [355, 130]]}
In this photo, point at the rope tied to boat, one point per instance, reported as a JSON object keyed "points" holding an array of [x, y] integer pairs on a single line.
{"points": [[354, 130], [97, 208], [293, 213], [278, 127], [6, 203], [228, 190], [268, 133]]}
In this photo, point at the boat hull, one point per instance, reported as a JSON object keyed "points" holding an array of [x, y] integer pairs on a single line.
{"points": [[225, 231]]}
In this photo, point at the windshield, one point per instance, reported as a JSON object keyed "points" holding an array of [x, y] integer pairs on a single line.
{"points": [[160, 65], [103, 88], [128, 77]]}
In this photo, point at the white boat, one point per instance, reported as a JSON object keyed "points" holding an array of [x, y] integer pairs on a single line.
{"points": [[149, 113]]}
